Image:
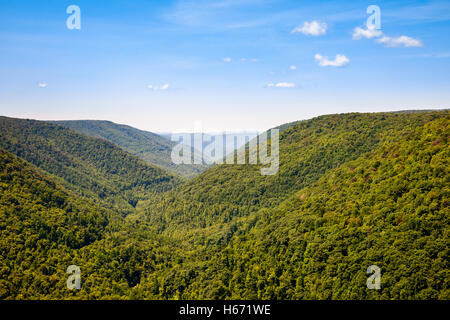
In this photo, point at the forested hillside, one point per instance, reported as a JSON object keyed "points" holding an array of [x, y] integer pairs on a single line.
{"points": [[45, 228], [89, 166], [353, 190], [389, 207], [41, 225], [146, 145], [308, 149]]}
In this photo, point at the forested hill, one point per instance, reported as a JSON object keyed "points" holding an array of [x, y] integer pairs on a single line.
{"points": [[389, 208], [91, 167], [41, 226], [146, 145], [44, 228], [386, 204], [308, 149]]}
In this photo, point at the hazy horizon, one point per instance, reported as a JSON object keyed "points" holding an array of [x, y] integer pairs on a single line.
{"points": [[213, 131]]}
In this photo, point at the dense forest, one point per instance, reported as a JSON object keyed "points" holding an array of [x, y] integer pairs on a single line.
{"points": [[44, 228], [94, 168], [353, 190]]}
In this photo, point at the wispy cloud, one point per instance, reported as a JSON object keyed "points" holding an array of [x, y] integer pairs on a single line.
{"points": [[281, 85], [42, 85], [359, 33], [242, 60], [214, 13], [313, 28], [157, 88], [339, 61], [402, 41], [293, 67]]}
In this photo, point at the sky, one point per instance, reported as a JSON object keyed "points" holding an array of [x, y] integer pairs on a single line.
{"points": [[168, 66]]}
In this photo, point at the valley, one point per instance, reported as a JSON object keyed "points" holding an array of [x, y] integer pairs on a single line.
{"points": [[353, 190]]}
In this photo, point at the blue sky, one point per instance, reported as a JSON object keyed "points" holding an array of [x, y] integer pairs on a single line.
{"points": [[230, 64]]}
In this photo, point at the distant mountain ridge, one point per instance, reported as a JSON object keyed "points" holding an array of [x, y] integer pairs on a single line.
{"points": [[232, 140], [148, 146]]}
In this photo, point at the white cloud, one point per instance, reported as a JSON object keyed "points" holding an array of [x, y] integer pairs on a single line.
{"points": [[227, 60], [42, 85], [293, 67], [339, 61], [359, 33], [281, 85], [156, 88], [402, 41], [313, 28]]}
